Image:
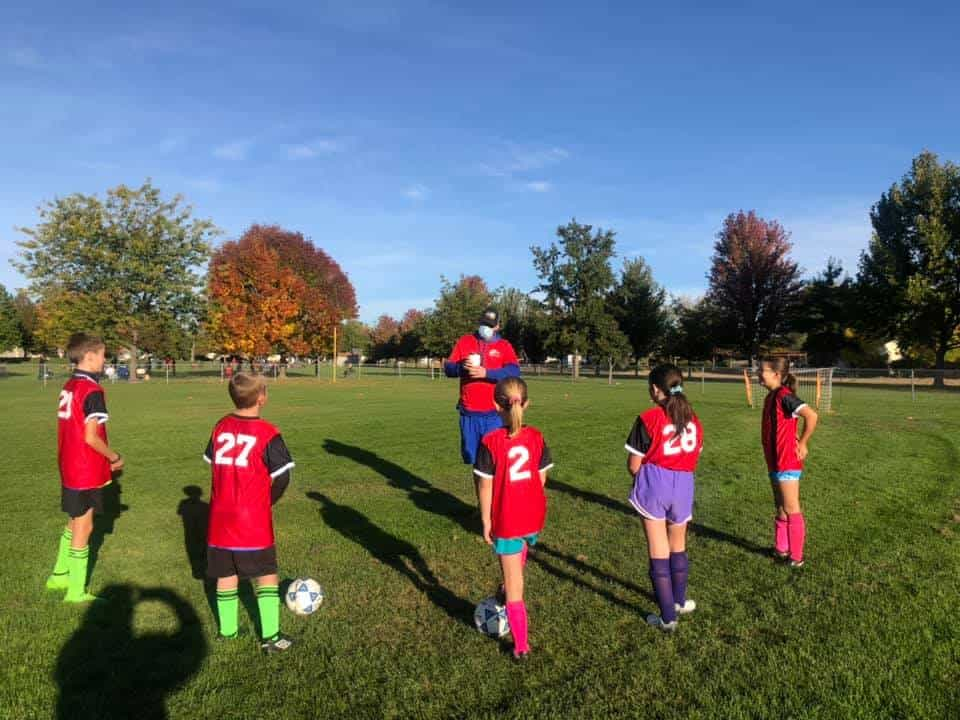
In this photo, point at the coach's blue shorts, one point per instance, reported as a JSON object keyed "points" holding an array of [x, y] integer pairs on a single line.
{"points": [[472, 430], [785, 476]]}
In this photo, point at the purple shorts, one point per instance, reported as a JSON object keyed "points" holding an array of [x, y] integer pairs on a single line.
{"points": [[661, 494]]}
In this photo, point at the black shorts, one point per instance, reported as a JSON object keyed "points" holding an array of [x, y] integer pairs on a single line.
{"points": [[245, 563], [76, 502]]}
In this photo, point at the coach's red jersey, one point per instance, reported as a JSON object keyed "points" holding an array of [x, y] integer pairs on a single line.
{"points": [[655, 439], [245, 453], [477, 395], [519, 504], [779, 430], [81, 400]]}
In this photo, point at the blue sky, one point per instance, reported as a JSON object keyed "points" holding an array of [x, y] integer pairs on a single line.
{"points": [[417, 139]]}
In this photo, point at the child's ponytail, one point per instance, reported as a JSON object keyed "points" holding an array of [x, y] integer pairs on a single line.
{"points": [[781, 366], [669, 380], [511, 395]]}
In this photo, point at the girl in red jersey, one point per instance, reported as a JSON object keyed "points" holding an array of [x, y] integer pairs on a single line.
{"points": [[664, 447], [511, 467], [785, 454]]}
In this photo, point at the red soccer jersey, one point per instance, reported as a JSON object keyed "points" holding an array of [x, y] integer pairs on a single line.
{"points": [[81, 467], [477, 395], [655, 439], [779, 430], [519, 504], [245, 453]]}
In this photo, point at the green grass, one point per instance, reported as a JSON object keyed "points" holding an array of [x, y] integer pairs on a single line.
{"points": [[381, 513]]}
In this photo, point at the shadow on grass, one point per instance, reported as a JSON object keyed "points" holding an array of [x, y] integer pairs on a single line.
{"points": [[105, 670], [427, 497], [421, 492], [105, 523], [697, 529], [394, 552]]}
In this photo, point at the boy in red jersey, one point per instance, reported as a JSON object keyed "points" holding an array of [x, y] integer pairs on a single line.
{"points": [[511, 467], [86, 463], [785, 454], [251, 470], [664, 447]]}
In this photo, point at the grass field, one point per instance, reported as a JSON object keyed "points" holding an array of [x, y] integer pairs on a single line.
{"points": [[381, 512]]}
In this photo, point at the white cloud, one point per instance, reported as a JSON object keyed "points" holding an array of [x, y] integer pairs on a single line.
{"points": [[416, 192], [306, 151], [233, 151], [513, 160], [539, 186]]}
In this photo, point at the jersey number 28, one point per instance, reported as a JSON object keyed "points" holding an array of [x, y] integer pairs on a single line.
{"points": [[685, 442], [228, 443]]}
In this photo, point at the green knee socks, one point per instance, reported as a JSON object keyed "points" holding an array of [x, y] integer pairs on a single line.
{"points": [[268, 601], [58, 579], [227, 603]]}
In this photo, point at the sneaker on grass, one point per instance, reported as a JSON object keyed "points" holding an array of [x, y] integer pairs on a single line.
{"points": [[657, 622]]}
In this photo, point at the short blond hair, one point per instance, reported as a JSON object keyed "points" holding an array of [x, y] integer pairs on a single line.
{"points": [[245, 388]]}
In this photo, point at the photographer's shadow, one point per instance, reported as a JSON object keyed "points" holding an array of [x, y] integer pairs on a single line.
{"points": [[106, 671]]}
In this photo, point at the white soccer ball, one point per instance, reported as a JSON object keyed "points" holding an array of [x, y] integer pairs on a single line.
{"points": [[491, 618], [304, 596]]}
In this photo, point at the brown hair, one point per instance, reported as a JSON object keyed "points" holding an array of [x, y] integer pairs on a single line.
{"points": [[669, 380], [245, 388], [511, 393], [781, 366], [80, 344]]}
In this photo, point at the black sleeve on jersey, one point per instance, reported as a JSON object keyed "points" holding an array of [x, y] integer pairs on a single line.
{"points": [[484, 465], [638, 441], [95, 407], [546, 461], [278, 461], [790, 403], [208, 453]]}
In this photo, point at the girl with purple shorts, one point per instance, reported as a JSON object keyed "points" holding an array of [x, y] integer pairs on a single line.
{"points": [[664, 446]]}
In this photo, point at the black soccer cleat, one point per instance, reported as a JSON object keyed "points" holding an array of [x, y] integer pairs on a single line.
{"points": [[279, 643]]}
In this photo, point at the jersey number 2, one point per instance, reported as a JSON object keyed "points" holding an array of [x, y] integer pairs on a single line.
{"points": [[520, 457], [227, 443], [65, 404], [686, 442]]}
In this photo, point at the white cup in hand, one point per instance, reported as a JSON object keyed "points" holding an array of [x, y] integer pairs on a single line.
{"points": [[473, 360]]}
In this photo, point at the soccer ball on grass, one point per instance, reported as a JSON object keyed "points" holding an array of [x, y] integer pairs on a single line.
{"points": [[304, 596], [491, 618]]}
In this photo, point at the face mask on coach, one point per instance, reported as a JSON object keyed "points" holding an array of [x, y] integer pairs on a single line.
{"points": [[486, 332]]}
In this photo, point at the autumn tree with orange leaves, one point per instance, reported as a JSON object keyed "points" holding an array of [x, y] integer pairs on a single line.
{"points": [[753, 282], [273, 291]]}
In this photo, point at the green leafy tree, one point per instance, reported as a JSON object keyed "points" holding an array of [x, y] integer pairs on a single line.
{"points": [[523, 322], [575, 279], [121, 266], [355, 337], [11, 335], [910, 273], [456, 313], [639, 305], [826, 311], [696, 328]]}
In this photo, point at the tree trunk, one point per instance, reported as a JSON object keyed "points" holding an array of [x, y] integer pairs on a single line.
{"points": [[610, 372], [940, 365], [576, 365], [132, 365], [193, 351]]}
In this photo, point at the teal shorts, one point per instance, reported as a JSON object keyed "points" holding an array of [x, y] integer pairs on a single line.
{"points": [[511, 546], [785, 476]]}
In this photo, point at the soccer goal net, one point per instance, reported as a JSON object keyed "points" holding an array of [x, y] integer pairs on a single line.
{"points": [[814, 387]]}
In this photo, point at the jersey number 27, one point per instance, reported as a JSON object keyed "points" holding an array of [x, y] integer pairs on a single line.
{"points": [[228, 443]]}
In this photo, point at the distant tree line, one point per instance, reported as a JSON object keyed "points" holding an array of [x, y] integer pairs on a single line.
{"points": [[131, 267]]}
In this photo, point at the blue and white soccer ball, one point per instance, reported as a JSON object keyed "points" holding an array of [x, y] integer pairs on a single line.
{"points": [[304, 596], [491, 618]]}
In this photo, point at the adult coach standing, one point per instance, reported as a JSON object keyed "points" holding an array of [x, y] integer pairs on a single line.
{"points": [[480, 359]]}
